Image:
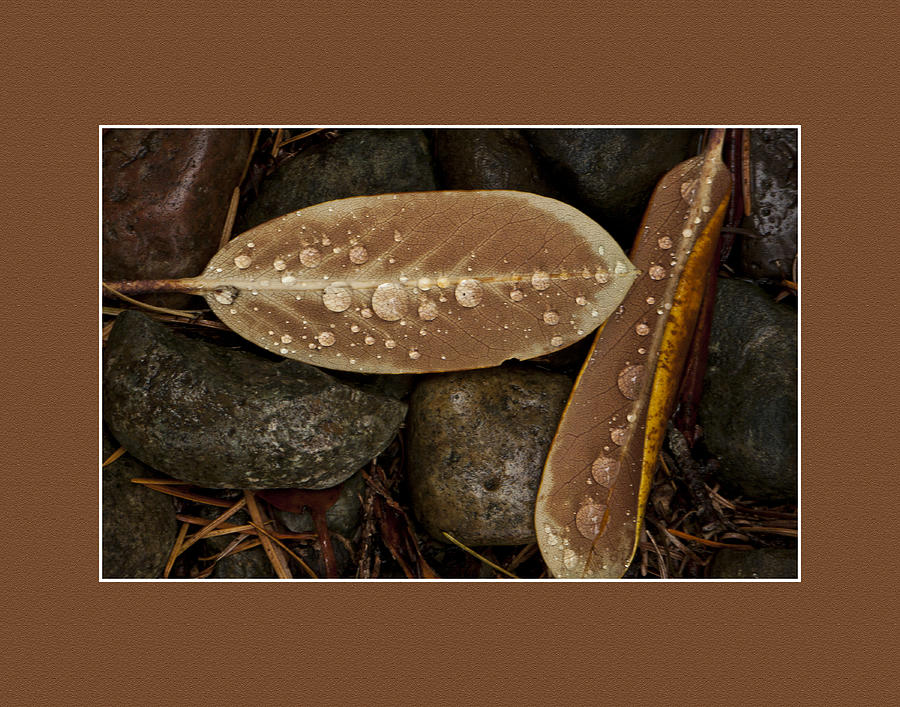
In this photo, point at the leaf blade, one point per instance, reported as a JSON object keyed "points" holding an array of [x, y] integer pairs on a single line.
{"points": [[597, 474], [429, 281]]}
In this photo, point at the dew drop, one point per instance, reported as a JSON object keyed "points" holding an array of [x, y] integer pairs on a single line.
{"points": [[630, 380], [651, 300], [657, 272], [366, 313], [225, 295], [279, 264], [428, 310], [642, 350], [569, 558], [242, 262], [251, 244], [389, 301], [326, 338], [414, 354], [631, 417], [398, 236], [551, 317], [642, 329], [687, 232], [581, 299], [369, 340], [283, 350], [589, 520], [540, 280], [425, 283], [604, 470], [621, 268], [601, 276], [617, 435], [516, 295], [354, 328], [358, 255], [665, 242], [310, 257], [336, 298], [469, 293], [390, 344], [687, 190], [556, 341]]}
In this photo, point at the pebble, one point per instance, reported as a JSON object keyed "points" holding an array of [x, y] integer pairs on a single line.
{"points": [[139, 526], [166, 193], [477, 444], [230, 419], [749, 407]]}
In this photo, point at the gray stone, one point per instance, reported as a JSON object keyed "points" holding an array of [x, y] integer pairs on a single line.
{"points": [[139, 526], [609, 173], [165, 197], [223, 418], [356, 163], [749, 406], [342, 517], [773, 204], [766, 563], [488, 158], [477, 444]]}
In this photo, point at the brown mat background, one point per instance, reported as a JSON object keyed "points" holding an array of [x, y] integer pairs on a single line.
{"points": [[71, 640]]}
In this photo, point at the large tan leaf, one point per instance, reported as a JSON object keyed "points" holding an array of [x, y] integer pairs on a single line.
{"points": [[598, 472], [430, 281]]}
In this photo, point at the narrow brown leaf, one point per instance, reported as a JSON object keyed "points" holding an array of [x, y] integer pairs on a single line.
{"points": [[597, 475], [415, 282]]}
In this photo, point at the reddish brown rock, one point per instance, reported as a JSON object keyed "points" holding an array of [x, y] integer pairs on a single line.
{"points": [[165, 198]]}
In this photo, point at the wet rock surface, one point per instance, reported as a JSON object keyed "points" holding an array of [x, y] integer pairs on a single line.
{"points": [[488, 158], [165, 197], [223, 418], [609, 173], [342, 517], [766, 563], [773, 189], [139, 526], [356, 163], [477, 445], [749, 406]]}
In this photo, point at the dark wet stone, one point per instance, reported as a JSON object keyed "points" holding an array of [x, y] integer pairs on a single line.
{"points": [[749, 406], [767, 563], [165, 197], [342, 517], [773, 191], [609, 173], [477, 444], [356, 163], [139, 526], [230, 419], [488, 158]]}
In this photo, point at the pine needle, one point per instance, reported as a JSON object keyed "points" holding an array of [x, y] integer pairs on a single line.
{"points": [[288, 550], [229, 218], [281, 568], [176, 550], [149, 307], [112, 457], [485, 560], [704, 541]]}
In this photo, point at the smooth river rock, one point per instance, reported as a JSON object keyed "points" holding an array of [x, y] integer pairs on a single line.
{"points": [[477, 445], [229, 419], [360, 162], [139, 526], [749, 406], [773, 205], [765, 563], [609, 173], [165, 197], [487, 158]]}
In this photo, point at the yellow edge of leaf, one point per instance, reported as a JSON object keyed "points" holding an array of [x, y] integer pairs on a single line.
{"points": [[683, 315]]}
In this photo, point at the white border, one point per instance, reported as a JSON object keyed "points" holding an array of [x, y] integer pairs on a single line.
{"points": [[509, 582]]}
